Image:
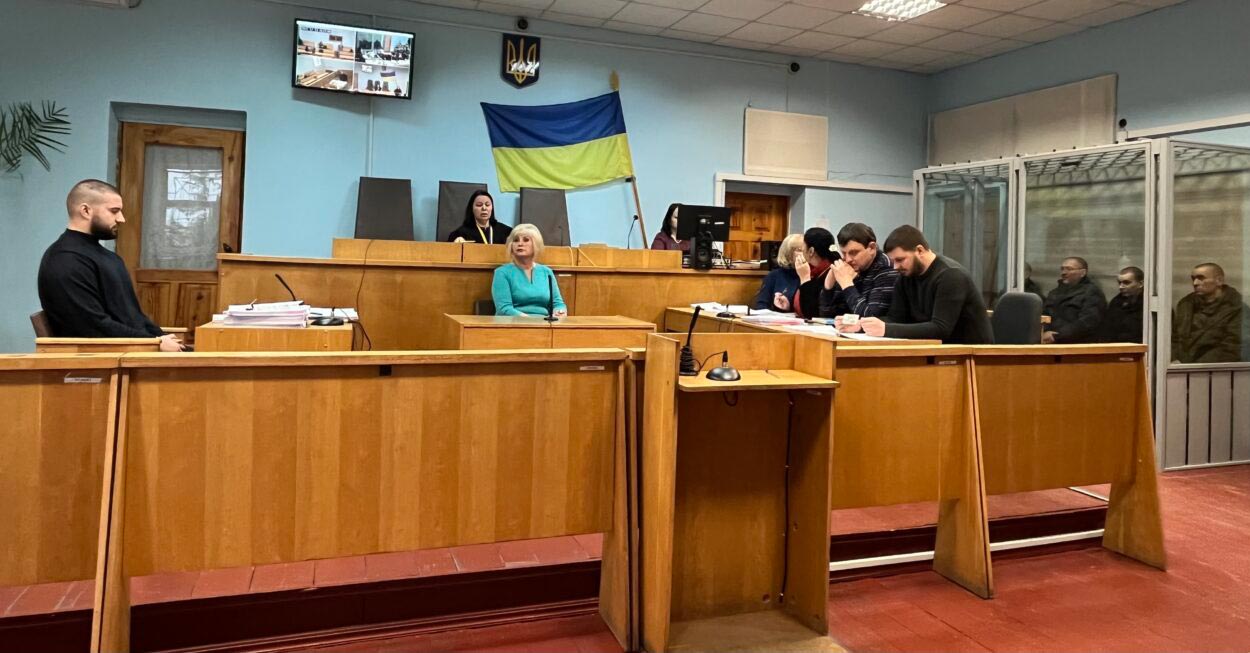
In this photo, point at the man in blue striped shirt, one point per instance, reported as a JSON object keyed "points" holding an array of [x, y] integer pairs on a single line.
{"points": [[863, 281]]}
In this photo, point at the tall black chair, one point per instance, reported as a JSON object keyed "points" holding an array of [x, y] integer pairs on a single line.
{"points": [[453, 196], [39, 320], [1017, 319], [484, 307], [546, 209]]}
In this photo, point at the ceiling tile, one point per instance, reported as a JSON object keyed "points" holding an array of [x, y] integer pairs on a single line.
{"points": [[853, 25], [641, 14], [1156, 3], [998, 5], [1110, 14], [954, 61], [507, 9], [832, 5], [914, 55], [570, 19], [999, 47], [907, 34], [844, 58], [744, 9], [688, 36], [959, 42], [1064, 9], [528, 4], [761, 33], [688, 5], [792, 15], [459, 4], [793, 51], [740, 44], [1049, 33], [708, 24], [632, 27], [954, 17], [896, 65], [818, 41], [1007, 26], [866, 48], [591, 8]]}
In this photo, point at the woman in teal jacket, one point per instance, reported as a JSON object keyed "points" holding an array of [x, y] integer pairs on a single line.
{"points": [[521, 287]]}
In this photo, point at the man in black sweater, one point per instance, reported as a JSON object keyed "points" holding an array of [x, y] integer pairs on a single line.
{"points": [[1123, 320], [84, 288], [933, 299], [1076, 306]]}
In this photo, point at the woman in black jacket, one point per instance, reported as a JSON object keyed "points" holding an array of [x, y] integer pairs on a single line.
{"points": [[480, 225]]}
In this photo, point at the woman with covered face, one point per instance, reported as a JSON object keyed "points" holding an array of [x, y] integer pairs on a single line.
{"points": [[525, 286]]}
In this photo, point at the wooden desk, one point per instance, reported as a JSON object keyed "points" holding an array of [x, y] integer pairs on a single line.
{"points": [[677, 319], [226, 460], [215, 337], [1057, 416], [96, 345], [403, 302], [60, 411], [502, 332], [719, 478]]}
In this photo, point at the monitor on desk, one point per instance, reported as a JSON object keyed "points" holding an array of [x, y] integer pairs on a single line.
{"points": [[694, 220]]}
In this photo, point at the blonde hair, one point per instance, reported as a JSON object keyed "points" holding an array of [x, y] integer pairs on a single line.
{"points": [[525, 229], [785, 254]]}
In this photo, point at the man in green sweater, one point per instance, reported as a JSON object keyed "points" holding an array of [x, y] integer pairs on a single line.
{"points": [[1207, 323], [934, 297]]}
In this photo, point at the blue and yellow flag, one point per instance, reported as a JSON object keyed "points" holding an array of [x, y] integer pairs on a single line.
{"points": [[568, 145]]}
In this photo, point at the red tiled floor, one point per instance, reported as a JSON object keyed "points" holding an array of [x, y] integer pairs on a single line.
{"points": [[40, 599], [435, 562], [8, 595], [592, 544], [223, 582], [478, 557], [558, 550], [584, 634], [339, 571], [80, 596], [391, 566], [283, 576], [1080, 600], [162, 587], [517, 554]]}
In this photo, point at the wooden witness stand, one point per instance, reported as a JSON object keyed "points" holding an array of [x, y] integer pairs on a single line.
{"points": [[735, 497]]}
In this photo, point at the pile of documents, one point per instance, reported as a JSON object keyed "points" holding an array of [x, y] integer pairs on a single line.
{"points": [[274, 314]]}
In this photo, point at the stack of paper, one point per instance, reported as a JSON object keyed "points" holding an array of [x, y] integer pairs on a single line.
{"points": [[276, 314]]}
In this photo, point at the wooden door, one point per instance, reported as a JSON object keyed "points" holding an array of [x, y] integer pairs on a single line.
{"points": [[182, 188], [756, 217]]}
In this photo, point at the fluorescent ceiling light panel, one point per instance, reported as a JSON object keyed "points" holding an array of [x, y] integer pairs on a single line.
{"points": [[898, 9]]}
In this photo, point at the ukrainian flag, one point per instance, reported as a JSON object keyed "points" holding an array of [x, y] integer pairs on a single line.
{"points": [[568, 145]]}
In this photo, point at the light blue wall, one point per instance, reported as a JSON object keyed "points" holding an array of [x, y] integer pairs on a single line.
{"points": [[306, 149], [1177, 64], [833, 208]]}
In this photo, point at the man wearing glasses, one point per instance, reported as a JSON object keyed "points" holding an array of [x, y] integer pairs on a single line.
{"points": [[1075, 307]]}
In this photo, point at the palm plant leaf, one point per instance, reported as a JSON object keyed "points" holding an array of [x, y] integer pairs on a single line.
{"points": [[25, 130]]}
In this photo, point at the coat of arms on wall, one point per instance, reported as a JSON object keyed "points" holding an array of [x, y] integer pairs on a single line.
{"points": [[520, 59]]}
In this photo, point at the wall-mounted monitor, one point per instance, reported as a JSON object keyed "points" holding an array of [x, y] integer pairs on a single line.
{"points": [[361, 60]]}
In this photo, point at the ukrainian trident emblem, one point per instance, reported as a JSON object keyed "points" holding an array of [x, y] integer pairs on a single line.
{"points": [[520, 59]]}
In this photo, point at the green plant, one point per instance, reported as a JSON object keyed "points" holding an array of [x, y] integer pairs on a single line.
{"points": [[25, 130]]}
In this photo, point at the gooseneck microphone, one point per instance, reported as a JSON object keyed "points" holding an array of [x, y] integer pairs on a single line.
{"points": [[288, 288], [551, 298], [688, 365]]}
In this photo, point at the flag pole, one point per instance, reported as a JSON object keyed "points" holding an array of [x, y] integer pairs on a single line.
{"points": [[642, 224], [614, 81]]}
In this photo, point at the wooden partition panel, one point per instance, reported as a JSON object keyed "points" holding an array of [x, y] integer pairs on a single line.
{"points": [[64, 346], [58, 412], [254, 465], [396, 250], [646, 295], [640, 259]]}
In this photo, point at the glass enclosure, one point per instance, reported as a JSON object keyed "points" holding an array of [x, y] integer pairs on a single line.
{"points": [[966, 217], [1085, 217], [1210, 254]]}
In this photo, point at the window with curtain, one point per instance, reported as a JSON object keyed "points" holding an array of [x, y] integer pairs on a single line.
{"points": [[181, 207]]}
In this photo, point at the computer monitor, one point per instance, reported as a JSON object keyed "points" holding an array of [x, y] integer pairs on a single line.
{"points": [[694, 221]]}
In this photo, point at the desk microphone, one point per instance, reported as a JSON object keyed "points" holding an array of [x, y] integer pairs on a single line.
{"points": [[288, 288], [688, 365], [551, 298], [724, 371]]}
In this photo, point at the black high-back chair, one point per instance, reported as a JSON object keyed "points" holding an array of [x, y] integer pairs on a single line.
{"points": [[1017, 319]]}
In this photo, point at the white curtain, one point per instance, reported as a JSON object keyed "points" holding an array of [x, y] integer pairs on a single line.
{"points": [[181, 208]]}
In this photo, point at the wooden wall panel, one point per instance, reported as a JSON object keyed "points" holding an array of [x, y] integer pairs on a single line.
{"points": [[1034, 410], [645, 296], [240, 466], [51, 471], [155, 302]]}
